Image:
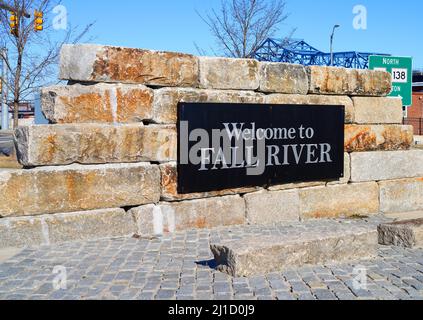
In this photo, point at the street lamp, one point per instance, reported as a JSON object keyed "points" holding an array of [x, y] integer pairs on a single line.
{"points": [[331, 43]]}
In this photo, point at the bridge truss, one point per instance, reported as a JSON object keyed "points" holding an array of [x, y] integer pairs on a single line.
{"points": [[300, 52]]}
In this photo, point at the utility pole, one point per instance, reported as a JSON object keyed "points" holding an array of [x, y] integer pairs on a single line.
{"points": [[3, 100], [331, 43]]}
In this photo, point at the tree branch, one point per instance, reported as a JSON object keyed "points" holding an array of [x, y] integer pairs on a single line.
{"points": [[242, 25]]}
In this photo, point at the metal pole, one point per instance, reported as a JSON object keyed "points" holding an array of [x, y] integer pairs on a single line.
{"points": [[3, 100], [331, 43]]}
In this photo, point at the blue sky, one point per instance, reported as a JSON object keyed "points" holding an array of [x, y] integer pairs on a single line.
{"points": [[393, 26]]}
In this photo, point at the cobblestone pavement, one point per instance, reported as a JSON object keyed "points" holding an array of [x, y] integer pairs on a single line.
{"points": [[180, 267]]}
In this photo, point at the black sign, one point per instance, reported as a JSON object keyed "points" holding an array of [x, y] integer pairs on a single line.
{"points": [[224, 146]]}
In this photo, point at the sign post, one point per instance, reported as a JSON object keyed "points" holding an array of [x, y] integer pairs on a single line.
{"points": [[401, 69]]}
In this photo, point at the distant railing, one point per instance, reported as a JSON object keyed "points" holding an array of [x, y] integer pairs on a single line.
{"points": [[417, 123], [26, 109]]}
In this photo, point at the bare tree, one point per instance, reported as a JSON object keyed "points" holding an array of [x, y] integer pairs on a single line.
{"points": [[33, 56], [241, 26]]}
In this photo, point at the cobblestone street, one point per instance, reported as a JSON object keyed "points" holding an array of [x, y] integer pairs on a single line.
{"points": [[180, 267]]}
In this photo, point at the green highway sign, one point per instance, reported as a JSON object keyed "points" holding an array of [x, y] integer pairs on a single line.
{"points": [[401, 69]]}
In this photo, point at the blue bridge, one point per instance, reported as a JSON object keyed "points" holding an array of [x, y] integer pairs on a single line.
{"points": [[300, 52]]}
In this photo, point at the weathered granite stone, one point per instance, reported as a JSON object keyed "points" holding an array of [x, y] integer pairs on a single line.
{"points": [[404, 216], [407, 234], [227, 73], [371, 110], [21, 232], [95, 144], [300, 185], [266, 207], [65, 227], [99, 103], [315, 244], [77, 188], [347, 171], [95, 63], [89, 225], [401, 195], [169, 181], [166, 100], [283, 78], [378, 137], [185, 215], [149, 220], [333, 80], [386, 165], [334, 201], [315, 100]]}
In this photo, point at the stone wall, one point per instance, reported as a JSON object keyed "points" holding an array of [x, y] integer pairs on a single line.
{"points": [[106, 165]]}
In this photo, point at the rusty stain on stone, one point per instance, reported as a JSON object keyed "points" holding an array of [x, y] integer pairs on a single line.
{"points": [[81, 103], [147, 67], [201, 223], [51, 148], [374, 138], [129, 105], [47, 145]]}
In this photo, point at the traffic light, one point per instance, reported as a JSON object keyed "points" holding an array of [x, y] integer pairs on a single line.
{"points": [[38, 21], [14, 24]]}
